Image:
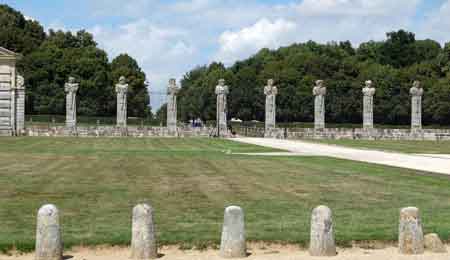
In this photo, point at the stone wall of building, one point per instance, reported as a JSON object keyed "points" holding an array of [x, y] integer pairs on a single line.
{"points": [[112, 131]]}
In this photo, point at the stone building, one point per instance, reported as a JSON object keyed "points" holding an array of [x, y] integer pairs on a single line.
{"points": [[12, 95]]}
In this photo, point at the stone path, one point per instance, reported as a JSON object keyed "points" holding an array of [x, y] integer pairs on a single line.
{"points": [[429, 163]]}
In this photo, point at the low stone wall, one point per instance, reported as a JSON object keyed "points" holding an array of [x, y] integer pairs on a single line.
{"points": [[111, 131], [358, 134]]}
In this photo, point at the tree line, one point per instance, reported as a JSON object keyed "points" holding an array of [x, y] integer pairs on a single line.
{"points": [[48, 59], [392, 64]]}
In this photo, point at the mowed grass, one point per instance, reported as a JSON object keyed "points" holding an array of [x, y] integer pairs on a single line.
{"points": [[421, 147], [96, 182]]}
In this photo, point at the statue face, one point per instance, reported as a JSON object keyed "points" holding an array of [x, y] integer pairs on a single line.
{"points": [[172, 82], [122, 80], [416, 84], [270, 82], [319, 83], [368, 84], [221, 82], [71, 80], [20, 80]]}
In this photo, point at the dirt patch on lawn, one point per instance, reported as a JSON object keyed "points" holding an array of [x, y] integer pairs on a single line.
{"points": [[256, 251]]}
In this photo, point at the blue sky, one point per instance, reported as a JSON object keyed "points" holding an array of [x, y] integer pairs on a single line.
{"points": [[170, 37]]}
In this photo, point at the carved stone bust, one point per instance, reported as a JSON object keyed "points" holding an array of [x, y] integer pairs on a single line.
{"points": [[270, 89], [222, 89], [416, 89], [20, 82], [319, 89], [122, 86], [71, 85], [173, 88], [368, 90]]}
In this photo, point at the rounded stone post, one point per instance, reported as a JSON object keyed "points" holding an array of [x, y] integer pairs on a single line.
{"points": [[233, 234], [48, 234], [143, 241], [322, 235], [410, 236]]}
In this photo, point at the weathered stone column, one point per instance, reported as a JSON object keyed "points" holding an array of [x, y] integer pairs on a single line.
{"points": [[416, 105], [319, 92], [20, 105], [322, 235], [233, 243], [410, 234], [48, 234], [222, 91], [121, 90], [271, 92], [368, 92], [143, 241], [172, 92], [71, 89]]}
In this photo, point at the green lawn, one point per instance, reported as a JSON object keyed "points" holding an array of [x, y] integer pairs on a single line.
{"points": [[423, 147], [96, 182]]}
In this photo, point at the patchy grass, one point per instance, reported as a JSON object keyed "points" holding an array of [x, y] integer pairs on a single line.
{"points": [[422, 147], [96, 182]]}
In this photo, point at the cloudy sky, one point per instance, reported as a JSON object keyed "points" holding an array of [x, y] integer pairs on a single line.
{"points": [[170, 37]]}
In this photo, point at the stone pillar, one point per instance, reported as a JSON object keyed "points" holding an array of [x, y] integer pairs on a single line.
{"points": [[121, 90], [172, 92], [416, 106], [271, 92], [410, 234], [71, 89], [143, 241], [233, 243], [20, 104], [48, 234], [368, 92], [222, 91], [319, 92], [322, 235]]}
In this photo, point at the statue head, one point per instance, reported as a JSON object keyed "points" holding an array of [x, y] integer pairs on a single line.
{"points": [[221, 82], [368, 83], [172, 82], [71, 80], [416, 84], [270, 82], [20, 81], [319, 83], [122, 80]]}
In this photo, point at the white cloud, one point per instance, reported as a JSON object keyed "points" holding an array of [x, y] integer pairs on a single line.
{"points": [[263, 34]]}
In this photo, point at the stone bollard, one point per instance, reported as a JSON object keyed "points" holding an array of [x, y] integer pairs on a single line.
{"points": [[410, 237], [48, 234], [322, 235], [233, 234], [143, 241]]}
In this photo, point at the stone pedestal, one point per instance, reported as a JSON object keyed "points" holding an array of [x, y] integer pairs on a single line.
{"points": [[172, 92], [48, 234], [71, 89], [322, 235], [221, 91], [233, 243], [271, 92], [319, 91], [121, 90], [416, 106], [20, 105], [368, 92], [143, 241], [410, 234]]}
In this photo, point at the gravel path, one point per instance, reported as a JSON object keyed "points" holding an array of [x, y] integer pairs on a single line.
{"points": [[428, 163], [269, 253]]}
